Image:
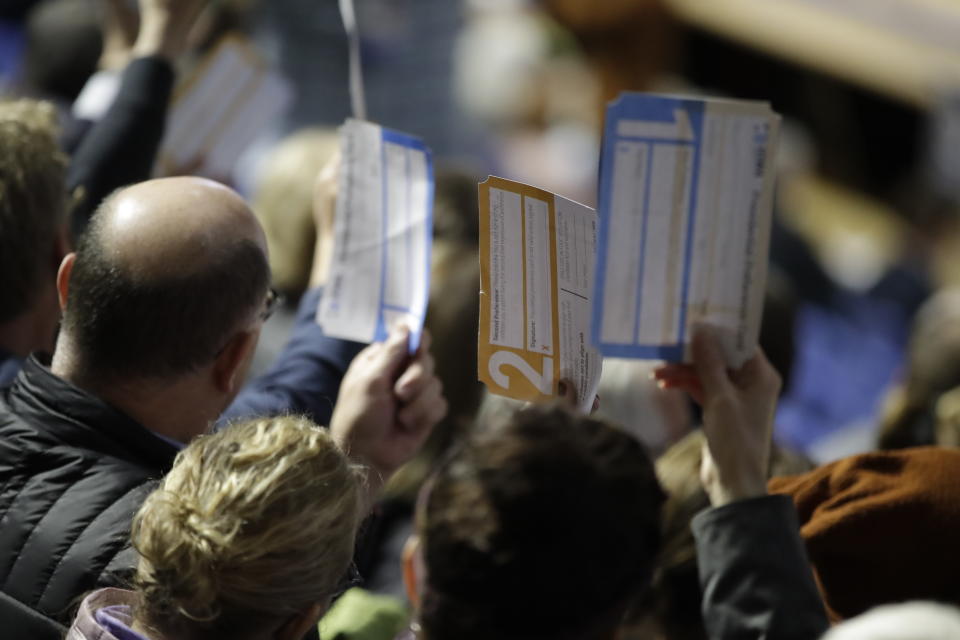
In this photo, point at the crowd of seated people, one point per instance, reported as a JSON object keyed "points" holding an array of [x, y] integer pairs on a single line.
{"points": [[157, 482]]}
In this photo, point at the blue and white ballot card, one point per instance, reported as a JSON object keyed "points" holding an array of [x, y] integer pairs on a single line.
{"points": [[686, 190], [380, 274]]}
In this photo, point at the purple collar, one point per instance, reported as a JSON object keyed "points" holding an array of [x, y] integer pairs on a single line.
{"points": [[116, 620]]}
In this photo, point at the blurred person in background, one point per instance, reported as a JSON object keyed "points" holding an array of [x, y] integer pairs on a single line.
{"points": [[629, 43], [62, 46], [284, 202], [922, 408], [290, 201], [522, 77], [121, 147], [877, 527]]}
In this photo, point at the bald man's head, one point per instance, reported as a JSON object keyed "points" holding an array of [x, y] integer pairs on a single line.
{"points": [[166, 273]]}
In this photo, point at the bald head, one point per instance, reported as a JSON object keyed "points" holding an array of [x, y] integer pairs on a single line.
{"points": [[166, 272], [174, 226]]}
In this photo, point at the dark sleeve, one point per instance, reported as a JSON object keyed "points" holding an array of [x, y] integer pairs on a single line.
{"points": [[754, 574], [120, 149], [305, 378]]}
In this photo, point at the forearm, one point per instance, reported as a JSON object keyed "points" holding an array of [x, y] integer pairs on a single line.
{"points": [[754, 573], [120, 149]]}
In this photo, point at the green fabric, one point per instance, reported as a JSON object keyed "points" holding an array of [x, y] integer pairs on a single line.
{"points": [[361, 615]]}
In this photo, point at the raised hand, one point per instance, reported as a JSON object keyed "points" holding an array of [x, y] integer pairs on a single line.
{"points": [[389, 402], [738, 410], [165, 26]]}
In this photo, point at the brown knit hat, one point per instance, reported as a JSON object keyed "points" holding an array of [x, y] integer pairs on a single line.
{"points": [[881, 527]]}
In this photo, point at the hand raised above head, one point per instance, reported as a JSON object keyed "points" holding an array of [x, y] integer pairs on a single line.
{"points": [[389, 403], [738, 410], [568, 396], [166, 25]]}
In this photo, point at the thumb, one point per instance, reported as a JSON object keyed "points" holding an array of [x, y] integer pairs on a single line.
{"points": [[390, 357]]}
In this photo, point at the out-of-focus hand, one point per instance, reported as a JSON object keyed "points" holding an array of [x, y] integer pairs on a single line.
{"points": [[389, 402], [738, 410], [325, 190], [119, 25], [568, 396], [165, 26]]}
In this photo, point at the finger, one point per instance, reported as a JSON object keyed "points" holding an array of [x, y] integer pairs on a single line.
{"points": [[567, 392], [425, 341], [691, 387], [391, 355], [417, 374], [676, 374], [596, 404], [709, 362], [673, 370], [426, 409]]}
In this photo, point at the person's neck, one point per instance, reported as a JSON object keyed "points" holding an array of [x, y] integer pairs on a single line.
{"points": [[175, 408]]}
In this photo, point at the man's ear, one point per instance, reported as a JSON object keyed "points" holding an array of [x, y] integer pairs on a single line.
{"points": [[63, 278], [297, 626], [230, 367]]}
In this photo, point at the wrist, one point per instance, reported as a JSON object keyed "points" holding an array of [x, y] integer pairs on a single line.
{"points": [[724, 492], [153, 39], [322, 257]]}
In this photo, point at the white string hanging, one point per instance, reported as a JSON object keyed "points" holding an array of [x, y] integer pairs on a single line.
{"points": [[357, 100]]}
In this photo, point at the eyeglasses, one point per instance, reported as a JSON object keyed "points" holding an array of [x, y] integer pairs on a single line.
{"points": [[274, 300]]}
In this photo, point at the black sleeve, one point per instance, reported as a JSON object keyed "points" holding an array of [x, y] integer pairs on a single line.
{"points": [[120, 149], [754, 574]]}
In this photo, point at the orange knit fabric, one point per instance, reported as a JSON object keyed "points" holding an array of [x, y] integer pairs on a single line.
{"points": [[881, 527]]}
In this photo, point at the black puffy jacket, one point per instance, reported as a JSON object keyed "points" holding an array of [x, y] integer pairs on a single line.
{"points": [[73, 472]]}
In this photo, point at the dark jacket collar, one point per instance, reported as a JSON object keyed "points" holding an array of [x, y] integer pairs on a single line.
{"points": [[9, 366], [73, 416]]}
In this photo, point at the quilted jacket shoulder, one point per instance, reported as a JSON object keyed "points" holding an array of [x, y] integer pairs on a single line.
{"points": [[73, 472]]}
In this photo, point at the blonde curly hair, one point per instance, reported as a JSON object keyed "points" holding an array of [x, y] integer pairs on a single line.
{"points": [[253, 524]]}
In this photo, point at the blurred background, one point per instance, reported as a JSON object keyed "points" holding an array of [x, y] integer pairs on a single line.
{"points": [[867, 224]]}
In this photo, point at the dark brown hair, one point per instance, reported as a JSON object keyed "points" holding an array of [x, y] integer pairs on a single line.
{"points": [[543, 527]]}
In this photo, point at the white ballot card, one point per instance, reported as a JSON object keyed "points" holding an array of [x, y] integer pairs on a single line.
{"points": [[380, 274], [537, 252], [686, 189], [221, 109]]}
